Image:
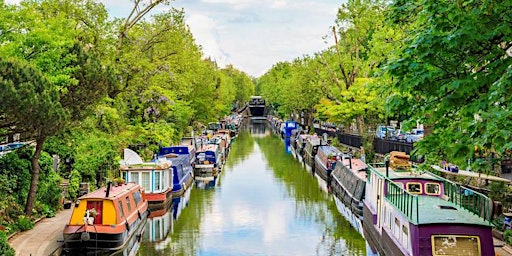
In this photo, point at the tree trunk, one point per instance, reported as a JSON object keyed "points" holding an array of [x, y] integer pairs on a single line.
{"points": [[35, 176]]}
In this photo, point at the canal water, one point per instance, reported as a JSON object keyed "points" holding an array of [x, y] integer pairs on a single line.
{"points": [[264, 202]]}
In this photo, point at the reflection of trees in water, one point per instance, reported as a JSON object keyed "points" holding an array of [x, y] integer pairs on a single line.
{"points": [[184, 237], [242, 148], [312, 204]]}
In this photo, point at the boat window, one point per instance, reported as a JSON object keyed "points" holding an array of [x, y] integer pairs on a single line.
{"points": [[405, 236], [432, 189], [455, 245], [121, 210], [134, 177], [137, 197], [414, 187], [146, 181], [396, 228], [95, 209], [158, 181], [124, 175], [128, 204]]}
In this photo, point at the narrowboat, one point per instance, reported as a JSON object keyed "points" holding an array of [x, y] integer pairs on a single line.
{"points": [[312, 144], [407, 211], [182, 158], [154, 177], [183, 174], [325, 162], [299, 146], [208, 161], [108, 220], [347, 186], [187, 149]]}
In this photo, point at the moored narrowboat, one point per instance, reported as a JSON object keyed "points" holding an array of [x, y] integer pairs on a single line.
{"points": [[348, 181], [325, 162], [411, 212], [182, 159], [155, 178], [208, 161], [106, 219], [310, 150]]}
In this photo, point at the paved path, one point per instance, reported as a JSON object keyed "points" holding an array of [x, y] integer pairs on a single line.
{"points": [[44, 238]]}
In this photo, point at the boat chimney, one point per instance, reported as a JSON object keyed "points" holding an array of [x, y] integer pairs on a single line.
{"points": [[108, 188], [350, 162], [387, 168]]}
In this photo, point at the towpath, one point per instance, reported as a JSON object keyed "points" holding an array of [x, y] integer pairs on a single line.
{"points": [[44, 239]]}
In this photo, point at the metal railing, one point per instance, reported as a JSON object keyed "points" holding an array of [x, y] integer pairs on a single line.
{"points": [[380, 146], [405, 202], [473, 201]]}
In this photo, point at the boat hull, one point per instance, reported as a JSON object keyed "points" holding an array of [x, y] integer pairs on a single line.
{"points": [[159, 200], [86, 240]]}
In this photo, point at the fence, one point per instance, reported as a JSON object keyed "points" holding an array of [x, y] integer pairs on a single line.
{"points": [[380, 146]]}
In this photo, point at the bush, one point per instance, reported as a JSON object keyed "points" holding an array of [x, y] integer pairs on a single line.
{"points": [[24, 223], [5, 248]]}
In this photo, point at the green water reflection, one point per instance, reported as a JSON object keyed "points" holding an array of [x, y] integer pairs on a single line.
{"points": [[264, 203]]}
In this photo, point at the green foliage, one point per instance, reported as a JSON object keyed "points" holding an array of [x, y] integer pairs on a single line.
{"points": [[454, 75], [74, 184], [5, 248], [24, 223], [507, 236]]}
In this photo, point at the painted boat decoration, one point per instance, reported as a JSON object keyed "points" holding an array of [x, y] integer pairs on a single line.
{"points": [[155, 178], [107, 219], [325, 162], [347, 185], [411, 212]]}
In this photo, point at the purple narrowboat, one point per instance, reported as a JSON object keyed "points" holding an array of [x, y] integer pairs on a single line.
{"points": [[407, 211]]}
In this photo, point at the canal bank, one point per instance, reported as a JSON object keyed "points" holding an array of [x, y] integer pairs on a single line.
{"points": [[44, 239]]}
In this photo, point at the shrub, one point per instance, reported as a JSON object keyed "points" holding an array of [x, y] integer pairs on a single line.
{"points": [[5, 248], [24, 223]]}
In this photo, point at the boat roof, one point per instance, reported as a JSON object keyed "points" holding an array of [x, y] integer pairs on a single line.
{"points": [[357, 166], [436, 210], [115, 192], [208, 147], [412, 173], [154, 165], [329, 150], [178, 159]]}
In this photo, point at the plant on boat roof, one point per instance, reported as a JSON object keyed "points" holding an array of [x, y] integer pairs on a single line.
{"points": [[119, 180]]}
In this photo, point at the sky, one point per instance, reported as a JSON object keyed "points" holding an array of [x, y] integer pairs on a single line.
{"points": [[252, 35]]}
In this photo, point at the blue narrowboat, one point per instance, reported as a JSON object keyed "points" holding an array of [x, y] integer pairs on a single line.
{"points": [[208, 160], [183, 172]]}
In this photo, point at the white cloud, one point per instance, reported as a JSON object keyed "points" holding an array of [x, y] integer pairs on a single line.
{"points": [[205, 32]]}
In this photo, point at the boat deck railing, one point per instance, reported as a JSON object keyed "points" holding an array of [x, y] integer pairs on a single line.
{"points": [[473, 201], [467, 198], [405, 202]]}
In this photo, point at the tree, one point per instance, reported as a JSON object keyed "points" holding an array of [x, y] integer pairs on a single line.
{"points": [[454, 74], [50, 79]]}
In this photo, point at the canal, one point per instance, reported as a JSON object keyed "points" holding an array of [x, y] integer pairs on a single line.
{"points": [[264, 202]]}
